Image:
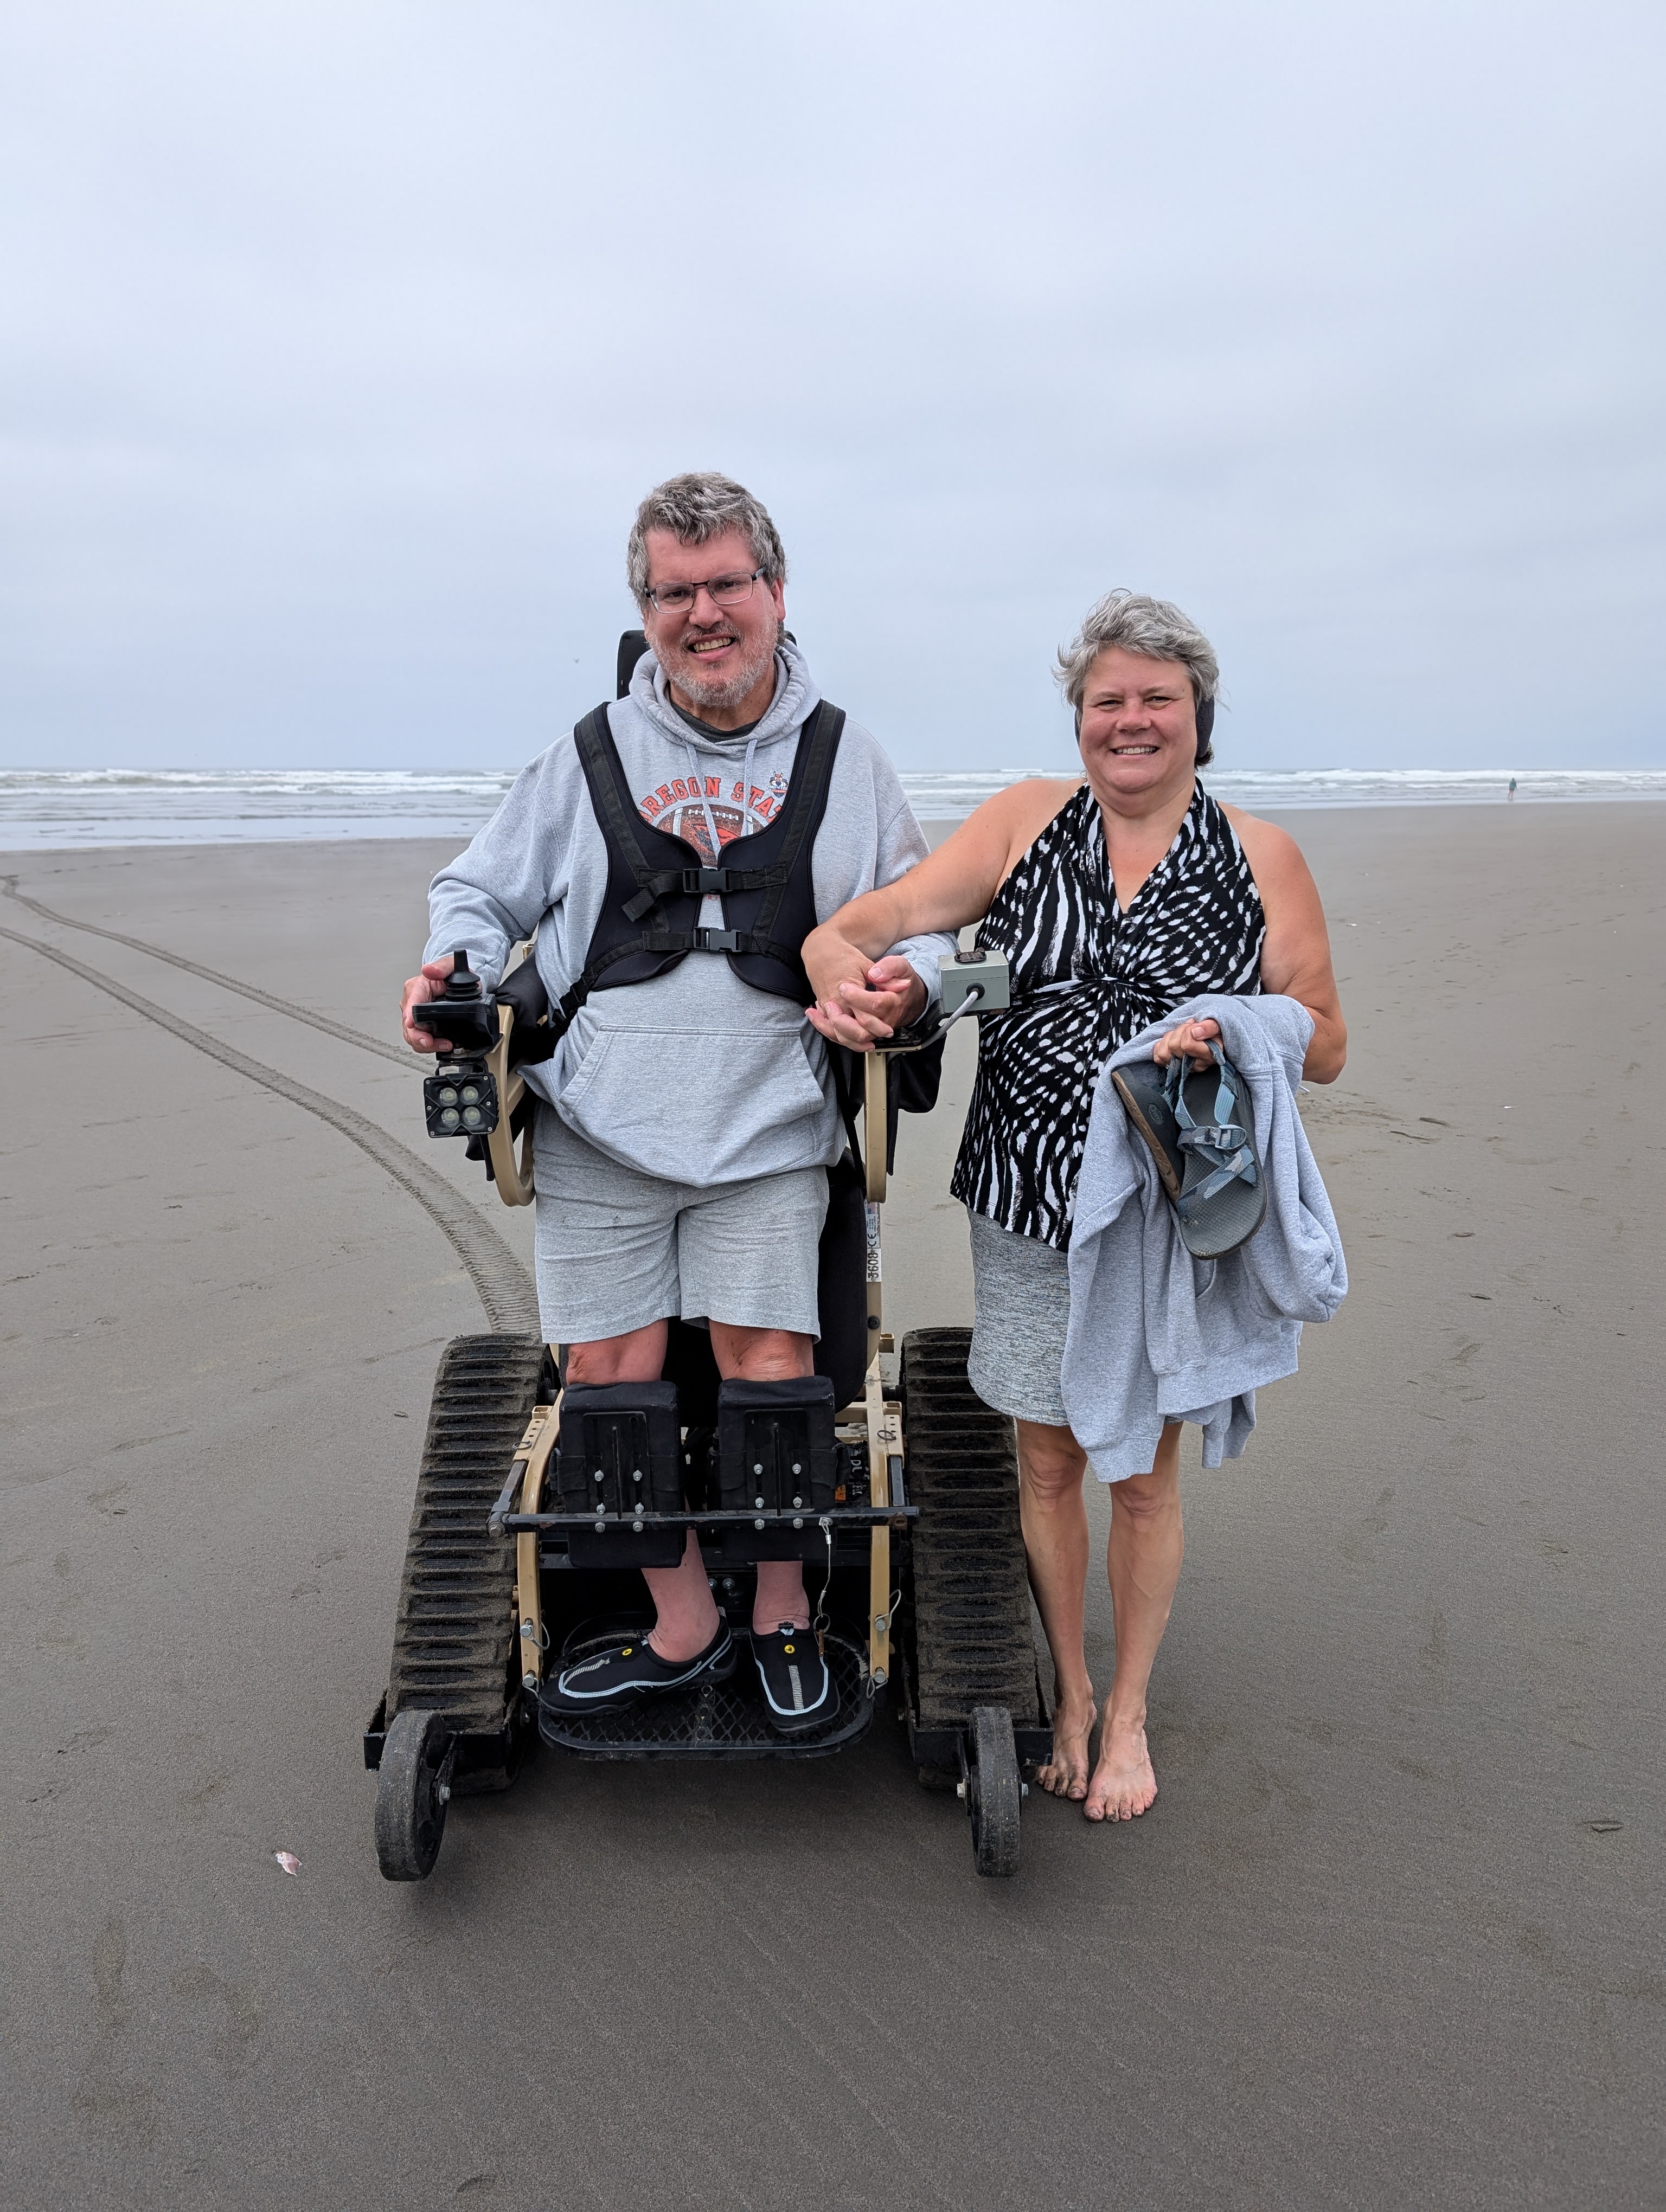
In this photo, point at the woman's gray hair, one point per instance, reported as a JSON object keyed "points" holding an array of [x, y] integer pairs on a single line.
{"points": [[1154, 628], [696, 508]]}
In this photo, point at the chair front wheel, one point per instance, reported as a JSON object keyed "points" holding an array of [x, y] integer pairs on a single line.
{"points": [[413, 1788], [995, 1791]]}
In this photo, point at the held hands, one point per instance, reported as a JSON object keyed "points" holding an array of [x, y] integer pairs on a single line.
{"points": [[1192, 1038], [417, 992], [857, 1000], [860, 1000]]}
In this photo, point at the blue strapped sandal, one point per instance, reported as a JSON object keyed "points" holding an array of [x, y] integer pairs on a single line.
{"points": [[1210, 1170]]}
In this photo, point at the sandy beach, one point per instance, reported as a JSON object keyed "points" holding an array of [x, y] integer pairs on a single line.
{"points": [[1391, 1934]]}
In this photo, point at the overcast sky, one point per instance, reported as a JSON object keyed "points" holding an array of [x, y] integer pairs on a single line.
{"points": [[339, 340]]}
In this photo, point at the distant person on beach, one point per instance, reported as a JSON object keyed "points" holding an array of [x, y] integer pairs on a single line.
{"points": [[1512, 786], [1116, 900], [681, 1153]]}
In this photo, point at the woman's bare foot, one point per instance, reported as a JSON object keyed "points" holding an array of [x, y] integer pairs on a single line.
{"points": [[1066, 1772], [1123, 1785]]}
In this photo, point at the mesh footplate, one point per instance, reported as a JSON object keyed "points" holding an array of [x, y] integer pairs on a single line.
{"points": [[713, 1720], [973, 1644], [454, 1636]]}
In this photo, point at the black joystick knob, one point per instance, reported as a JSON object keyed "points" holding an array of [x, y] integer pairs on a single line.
{"points": [[461, 1013], [462, 983]]}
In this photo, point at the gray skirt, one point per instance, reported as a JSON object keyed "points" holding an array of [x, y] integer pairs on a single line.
{"points": [[1021, 1293]]}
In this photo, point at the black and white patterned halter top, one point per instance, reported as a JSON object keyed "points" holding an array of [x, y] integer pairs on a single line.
{"points": [[1086, 977]]}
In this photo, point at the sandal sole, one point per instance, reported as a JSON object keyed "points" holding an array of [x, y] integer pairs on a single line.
{"points": [[1140, 1087]]}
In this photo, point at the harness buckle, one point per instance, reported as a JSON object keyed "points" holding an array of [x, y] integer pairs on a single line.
{"points": [[716, 940], [705, 879]]}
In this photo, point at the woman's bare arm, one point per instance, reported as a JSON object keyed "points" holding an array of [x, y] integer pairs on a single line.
{"points": [[951, 887], [1295, 956]]}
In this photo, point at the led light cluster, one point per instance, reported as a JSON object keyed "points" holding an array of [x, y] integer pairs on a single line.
{"points": [[460, 1103]]}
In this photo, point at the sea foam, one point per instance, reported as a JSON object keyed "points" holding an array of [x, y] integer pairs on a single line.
{"points": [[77, 807]]}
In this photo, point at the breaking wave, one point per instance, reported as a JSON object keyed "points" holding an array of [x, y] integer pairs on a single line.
{"points": [[78, 807]]}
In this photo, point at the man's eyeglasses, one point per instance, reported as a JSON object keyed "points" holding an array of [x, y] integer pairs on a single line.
{"points": [[726, 591]]}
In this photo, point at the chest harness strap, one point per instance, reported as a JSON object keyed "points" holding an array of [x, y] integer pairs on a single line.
{"points": [[605, 774]]}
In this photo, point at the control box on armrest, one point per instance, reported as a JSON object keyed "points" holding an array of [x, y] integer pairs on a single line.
{"points": [[984, 973]]}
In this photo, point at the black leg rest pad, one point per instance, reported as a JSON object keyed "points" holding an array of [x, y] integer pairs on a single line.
{"points": [[774, 1453], [620, 1452]]}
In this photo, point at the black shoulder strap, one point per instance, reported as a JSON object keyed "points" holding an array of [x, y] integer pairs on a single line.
{"points": [[818, 741], [604, 773], [610, 795]]}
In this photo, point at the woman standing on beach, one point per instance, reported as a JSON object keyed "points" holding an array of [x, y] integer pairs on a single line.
{"points": [[1115, 901]]}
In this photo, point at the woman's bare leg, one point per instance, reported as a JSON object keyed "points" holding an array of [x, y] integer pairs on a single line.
{"points": [[1051, 1465], [1143, 1560]]}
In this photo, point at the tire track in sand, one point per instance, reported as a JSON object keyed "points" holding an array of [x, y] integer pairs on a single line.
{"points": [[505, 1289], [9, 884]]}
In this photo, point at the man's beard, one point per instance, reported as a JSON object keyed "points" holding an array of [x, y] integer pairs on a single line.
{"points": [[725, 692]]}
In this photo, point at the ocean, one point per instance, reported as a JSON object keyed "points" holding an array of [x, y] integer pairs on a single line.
{"points": [[81, 807]]}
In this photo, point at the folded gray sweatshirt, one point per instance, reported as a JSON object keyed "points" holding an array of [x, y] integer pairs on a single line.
{"points": [[693, 1075], [1156, 1335]]}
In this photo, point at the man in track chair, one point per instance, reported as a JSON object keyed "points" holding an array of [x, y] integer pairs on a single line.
{"points": [[683, 842]]}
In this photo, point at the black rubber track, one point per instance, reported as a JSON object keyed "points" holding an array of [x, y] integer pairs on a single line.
{"points": [[973, 1644], [456, 1638], [505, 1291]]}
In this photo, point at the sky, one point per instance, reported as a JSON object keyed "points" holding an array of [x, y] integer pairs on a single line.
{"points": [[340, 341]]}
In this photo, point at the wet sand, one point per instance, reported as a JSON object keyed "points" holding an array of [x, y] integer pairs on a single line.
{"points": [[1391, 1934]]}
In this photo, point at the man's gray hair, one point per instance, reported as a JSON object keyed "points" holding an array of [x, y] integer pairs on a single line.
{"points": [[1154, 628], [696, 508]]}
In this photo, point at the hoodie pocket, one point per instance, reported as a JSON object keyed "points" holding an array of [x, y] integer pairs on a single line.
{"points": [[699, 1106]]}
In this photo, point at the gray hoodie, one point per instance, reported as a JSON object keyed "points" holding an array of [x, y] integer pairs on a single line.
{"points": [[693, 1075], [1155, 1334]]}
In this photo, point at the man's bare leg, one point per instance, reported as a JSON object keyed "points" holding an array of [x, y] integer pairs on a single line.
{"points": [[686, 1608], [1143, 1560], [769, 1355], [682, 1601], [1051, 1465]]}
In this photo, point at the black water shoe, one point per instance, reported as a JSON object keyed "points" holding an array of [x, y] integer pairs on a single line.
{"points": [[798, 1689], [614, 1680]]}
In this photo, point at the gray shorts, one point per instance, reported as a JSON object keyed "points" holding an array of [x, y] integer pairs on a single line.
{"points": [[1021, 1293], [618, 1249]]}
